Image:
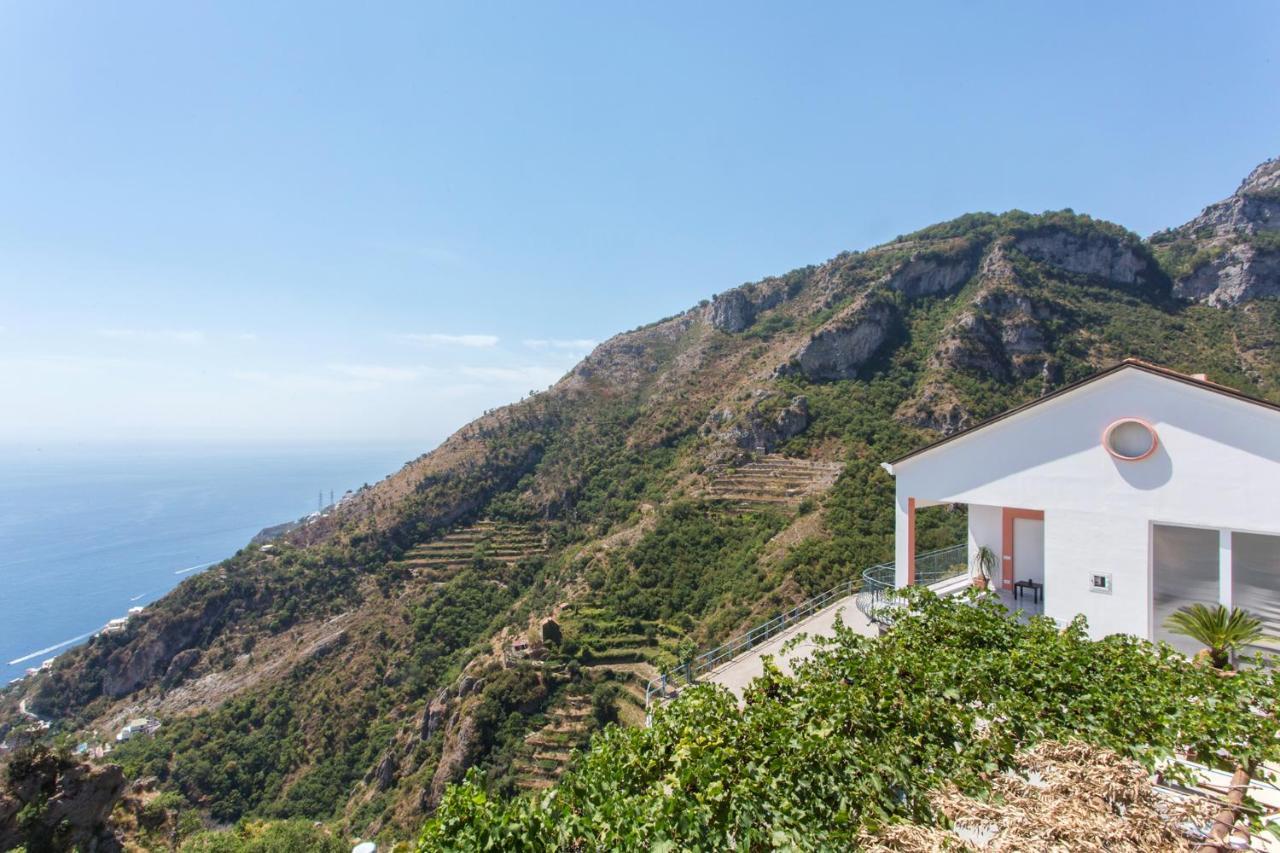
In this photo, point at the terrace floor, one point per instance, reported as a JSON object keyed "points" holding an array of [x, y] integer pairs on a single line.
{"points": [[1024, 606], [737, 673]]}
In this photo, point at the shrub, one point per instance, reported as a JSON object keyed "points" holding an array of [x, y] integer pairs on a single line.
{"points": [[865, 730]]}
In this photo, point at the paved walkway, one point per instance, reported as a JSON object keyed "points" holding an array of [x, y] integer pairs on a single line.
{"points": [[736, 674]]}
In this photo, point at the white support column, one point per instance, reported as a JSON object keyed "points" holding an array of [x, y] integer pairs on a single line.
{"points": [[1224, 568], [903, 536]]}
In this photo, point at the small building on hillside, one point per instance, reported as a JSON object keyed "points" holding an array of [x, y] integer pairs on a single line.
{"points": [[138, 726], [115, 626], [1123, 497]]}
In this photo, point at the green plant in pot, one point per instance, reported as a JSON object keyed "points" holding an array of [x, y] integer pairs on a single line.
{"points": [[984, 567], [1223, 632]]}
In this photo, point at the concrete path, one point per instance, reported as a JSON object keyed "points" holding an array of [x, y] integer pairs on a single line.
{"points": [[736, 674]]}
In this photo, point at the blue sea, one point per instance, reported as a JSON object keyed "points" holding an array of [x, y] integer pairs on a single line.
{"points": [[88, 532]]}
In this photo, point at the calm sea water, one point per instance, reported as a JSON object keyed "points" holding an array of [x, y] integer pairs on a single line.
{"points": [[87, 533]]}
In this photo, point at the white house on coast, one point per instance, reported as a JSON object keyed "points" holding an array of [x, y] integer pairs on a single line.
{"points": [[1122, 497]]}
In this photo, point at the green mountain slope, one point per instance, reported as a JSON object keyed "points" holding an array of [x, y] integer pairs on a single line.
{"points": [[675, 486]]}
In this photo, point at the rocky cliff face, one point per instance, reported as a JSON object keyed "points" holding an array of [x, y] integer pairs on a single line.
{"points": [[1253, 208], [736, 310], [1230, 253], [1240, 273], [924, 275], [1091, 254], [845, 344], [58, 804], [766, 422]]}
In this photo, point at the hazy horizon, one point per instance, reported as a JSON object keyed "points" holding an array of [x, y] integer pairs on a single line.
{"points": [[244, 224]]}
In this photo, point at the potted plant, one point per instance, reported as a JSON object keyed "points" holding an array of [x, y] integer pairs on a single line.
{"points": [[984, 566], [1222, 631]]}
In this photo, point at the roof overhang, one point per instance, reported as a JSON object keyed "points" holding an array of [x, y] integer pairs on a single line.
{"points": [[1197, 381]]}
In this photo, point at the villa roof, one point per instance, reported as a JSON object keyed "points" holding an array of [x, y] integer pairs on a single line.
{"points": [[1197, 381]]}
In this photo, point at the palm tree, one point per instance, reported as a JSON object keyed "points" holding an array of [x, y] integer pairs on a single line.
{"points": [[1223, 631]]}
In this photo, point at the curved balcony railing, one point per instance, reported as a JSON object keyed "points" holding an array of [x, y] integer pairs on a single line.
{"points": [[874, 588], [877, 599]]}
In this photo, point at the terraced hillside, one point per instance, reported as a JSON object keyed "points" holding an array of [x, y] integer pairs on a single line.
{"points": [[549, 750], [442, 558], [774, 479]]}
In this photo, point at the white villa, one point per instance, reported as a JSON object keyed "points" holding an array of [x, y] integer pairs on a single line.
{"points": [[1121, 497]]}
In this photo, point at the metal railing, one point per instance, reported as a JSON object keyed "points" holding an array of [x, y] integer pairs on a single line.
{"points": [[877, 599], [930, 568]]}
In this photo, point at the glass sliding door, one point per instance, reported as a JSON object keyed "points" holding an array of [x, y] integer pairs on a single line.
{"points": [[1255, 581], [1185, 567]]}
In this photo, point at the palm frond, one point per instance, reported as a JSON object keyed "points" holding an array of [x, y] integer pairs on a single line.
{"points": [[1223, 631]]}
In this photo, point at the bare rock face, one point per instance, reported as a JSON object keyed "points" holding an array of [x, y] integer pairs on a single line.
{"points": [[1253, 208], [72, 802], [456, 755], [1092, 254], [973, 345], [150, 651], [1233, 244], [1002, 336], [937, 408], [629, 358], [1241, 273], [180, 665], [924, 275], [383, 775], [846, 343], [436, 714], [736, 310], [766, 423], [731, 312]]}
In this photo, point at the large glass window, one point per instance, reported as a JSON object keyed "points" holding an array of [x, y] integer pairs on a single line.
{"points": [[1255, 580], [1186, 571]]}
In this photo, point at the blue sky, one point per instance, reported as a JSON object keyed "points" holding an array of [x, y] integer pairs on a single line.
{"points": [[334, 222]]}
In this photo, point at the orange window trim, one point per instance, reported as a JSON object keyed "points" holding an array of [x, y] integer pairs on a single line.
{"points": [[1010, 515]]}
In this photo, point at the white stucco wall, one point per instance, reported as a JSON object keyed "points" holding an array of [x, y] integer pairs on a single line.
{"points": [[1217, 466], [986, 528]]}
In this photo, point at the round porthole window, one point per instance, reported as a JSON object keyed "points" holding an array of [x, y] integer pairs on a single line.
{"points": [[1130, 439]]}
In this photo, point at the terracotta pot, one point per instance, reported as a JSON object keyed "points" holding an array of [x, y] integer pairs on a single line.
{"points": [[980, 582]]}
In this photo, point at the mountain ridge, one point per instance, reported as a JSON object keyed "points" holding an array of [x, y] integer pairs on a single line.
{"points": [[344, 686]]}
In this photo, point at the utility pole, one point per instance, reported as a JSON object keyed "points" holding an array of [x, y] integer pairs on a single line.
{"points": [[319, 500]]}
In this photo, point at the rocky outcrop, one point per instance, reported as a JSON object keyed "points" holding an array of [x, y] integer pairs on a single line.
{"points": [[153, 648], [1001, 335], [1230, 253], [846, 343], [937, 408], [767, 422], [1239, 274], [736, 310], [180, 666], [434, 717], [1092, 254], [1253, 208], [383, 774], [53, 803], [973, 345], [456, 755], [929, 275]]}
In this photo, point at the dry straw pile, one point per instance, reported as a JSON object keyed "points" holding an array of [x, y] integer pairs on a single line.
{"points": [[1064, 797]]}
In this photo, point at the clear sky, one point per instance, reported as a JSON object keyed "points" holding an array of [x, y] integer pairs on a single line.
{"points": [[271, 221]]}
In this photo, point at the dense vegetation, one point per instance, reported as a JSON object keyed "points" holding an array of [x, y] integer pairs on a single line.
{"points": [[865, 730]]}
